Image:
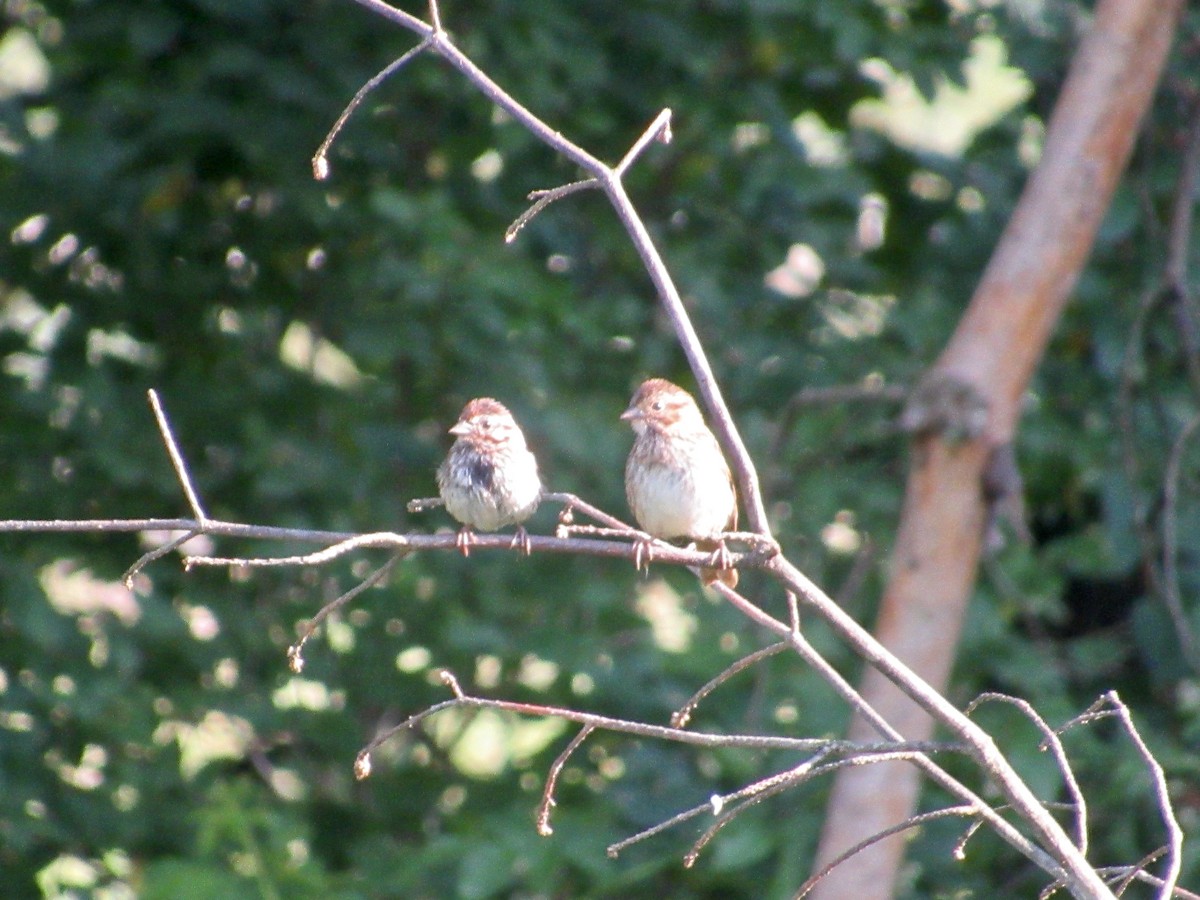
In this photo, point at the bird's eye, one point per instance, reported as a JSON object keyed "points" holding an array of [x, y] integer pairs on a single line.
{"points": [[657, 406]]}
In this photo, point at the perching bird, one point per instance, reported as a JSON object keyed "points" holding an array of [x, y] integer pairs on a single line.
{"points": [[489, 478], [676, 478]]}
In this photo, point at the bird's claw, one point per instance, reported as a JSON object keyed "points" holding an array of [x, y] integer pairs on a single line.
{"points": [[643, 554], [466, 537], [721, 558], [522, 542]]}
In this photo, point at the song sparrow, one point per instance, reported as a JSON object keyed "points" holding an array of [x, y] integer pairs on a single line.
{"points": [[676, 478], [489, 479]]}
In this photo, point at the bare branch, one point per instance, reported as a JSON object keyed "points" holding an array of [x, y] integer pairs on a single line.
{"points": [[374, 540], [543, 817], [157, 553], [777, 784], [320, 160], [658, 130], [610, 180], [681, 716], [543, 199], [934, 772], [1170, 550], [295, 653], [1050, 740], [1123, 883], [911, 822], [1066, 857], [1179, 242], [180, 466], [1161, 793]]}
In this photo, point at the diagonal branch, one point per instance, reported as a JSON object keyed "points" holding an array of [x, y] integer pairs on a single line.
{"points": [[181, 470], [609, 178]]}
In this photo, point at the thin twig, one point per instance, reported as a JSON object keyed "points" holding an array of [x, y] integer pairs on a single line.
{"points": [[911, 822], [1170, 549], [1052, 741], [320, 160], [716, 804], [848, 693], [747, 798], [1161, 793], [642, 729], [375, 540], [1179, 242], [177, 462], [777, 784], [1146, 878], [544, 198], [157, 553], [295, 653], [1122, 884], [681, 716], [658, 130], [543, 816]]}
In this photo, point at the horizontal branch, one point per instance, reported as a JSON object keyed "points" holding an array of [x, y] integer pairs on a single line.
{"points": [[642, 729], [415, 541]]}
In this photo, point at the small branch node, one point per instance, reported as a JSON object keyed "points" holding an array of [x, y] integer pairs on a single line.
{"points": [[447, 678]]}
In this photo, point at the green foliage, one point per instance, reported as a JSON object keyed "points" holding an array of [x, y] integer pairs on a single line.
{"points": [[312, 341]]}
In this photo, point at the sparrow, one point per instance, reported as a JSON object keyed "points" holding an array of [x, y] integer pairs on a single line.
{"points": [[489, 478], [676, 479]]}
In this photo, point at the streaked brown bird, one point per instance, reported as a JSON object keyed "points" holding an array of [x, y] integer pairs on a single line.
{"points": [[676, 479], [490, 478]]}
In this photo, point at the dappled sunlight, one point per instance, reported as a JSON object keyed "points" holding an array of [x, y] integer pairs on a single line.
{"points": [[670, 624], [303, 350], [948, 122]]}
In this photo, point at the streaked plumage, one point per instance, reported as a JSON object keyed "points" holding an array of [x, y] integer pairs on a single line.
{"points": [[676, 479], [489, 479]]}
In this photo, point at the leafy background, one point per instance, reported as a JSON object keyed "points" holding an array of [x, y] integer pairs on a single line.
{"points": [[313, 341]]}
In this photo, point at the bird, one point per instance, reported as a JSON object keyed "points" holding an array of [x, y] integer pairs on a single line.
{"points": [[489, 478], [677, 481]]}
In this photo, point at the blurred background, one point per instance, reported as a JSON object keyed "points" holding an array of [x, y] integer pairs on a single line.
{"points": [[840, 172]]}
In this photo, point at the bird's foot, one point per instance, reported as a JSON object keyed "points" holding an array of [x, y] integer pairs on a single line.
{"points": [[643, 553], [466, 537], [521, 541]]}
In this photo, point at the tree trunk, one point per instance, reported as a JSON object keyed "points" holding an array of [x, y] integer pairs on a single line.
{"points": [[968, 406]]}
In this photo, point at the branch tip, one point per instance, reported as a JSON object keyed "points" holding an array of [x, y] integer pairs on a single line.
{"points": [[362, 766], [295, 657]]}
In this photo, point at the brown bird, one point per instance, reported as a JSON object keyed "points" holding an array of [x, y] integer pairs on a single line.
{"points": [[489, 479], [676, 479]]}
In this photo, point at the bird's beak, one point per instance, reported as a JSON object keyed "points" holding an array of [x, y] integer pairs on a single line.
{"points": [[460, 428], [631, 414]]}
